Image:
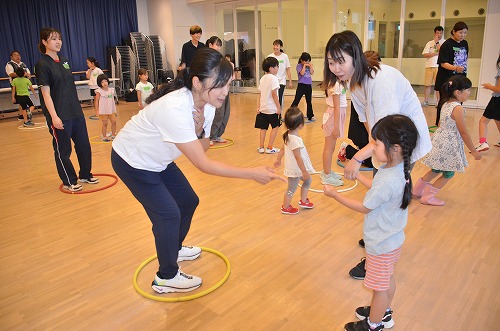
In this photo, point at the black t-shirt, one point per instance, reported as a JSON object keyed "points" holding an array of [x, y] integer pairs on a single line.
{"points": [[455, 54], [188, 50], [58, 76]]}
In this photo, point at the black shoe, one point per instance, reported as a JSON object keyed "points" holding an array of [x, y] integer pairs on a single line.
{"points": [[361, 326], [363, 312], [358, 272], [361, 243]]}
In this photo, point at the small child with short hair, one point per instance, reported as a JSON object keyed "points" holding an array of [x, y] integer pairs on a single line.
{"points": [[144, 88], [105, 106], [21, 95], [269, 109], [92, 73], [298, 165]]}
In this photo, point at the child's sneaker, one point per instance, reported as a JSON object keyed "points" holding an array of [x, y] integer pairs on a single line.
{"points": [[28, 124], [331, 179], [261, 150], [188, 253], [361, 326], [180, 283], [106, 139], [425, 104], [273, 150], [220, 140], [91, 180], [363, 312], [289, 210], [73, 188], [211, 142], [359, 271], [482, 147], [341, 154], [306, 204]]}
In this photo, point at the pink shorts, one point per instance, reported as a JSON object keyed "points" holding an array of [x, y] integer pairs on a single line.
{"points": [[379, 269], [329, 121]]}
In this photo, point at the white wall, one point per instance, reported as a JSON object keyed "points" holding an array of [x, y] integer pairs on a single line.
{"points": [[491, 50], [142, 16]]}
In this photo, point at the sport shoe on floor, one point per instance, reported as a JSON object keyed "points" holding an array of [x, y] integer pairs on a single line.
{"points": [[425, 104], [289, 210], [358, 272], [91, 180], [261, 150], [363, 312], [220, 140], [273, 150], [311, 120], [94, 117], [361, 326], [73, 188], [188, 253], [211, 142], [28, 124], [341, 154], [331, 179], [482, 147], [306, 204], [361, 243], [180, 283]]}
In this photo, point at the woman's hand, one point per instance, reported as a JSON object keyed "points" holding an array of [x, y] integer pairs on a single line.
{"points": [[330, 191], [351, 169], [199, 119], [57, 123], [264, 175]]}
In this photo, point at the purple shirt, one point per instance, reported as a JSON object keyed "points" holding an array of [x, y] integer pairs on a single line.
{"points": [[306, 78]]}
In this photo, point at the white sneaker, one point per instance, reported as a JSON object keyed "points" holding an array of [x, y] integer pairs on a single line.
{"points": [[260, 150], [331, 179], [91, 180], [188, 253], [273, 150], [482, 147], [73, 188], [180, 283]]}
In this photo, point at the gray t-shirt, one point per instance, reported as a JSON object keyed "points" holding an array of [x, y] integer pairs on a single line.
{"points": [[384, 225]]}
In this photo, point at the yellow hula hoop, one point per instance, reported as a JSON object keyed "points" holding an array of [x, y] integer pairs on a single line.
{"points": [[188, 297], [229, 142]]}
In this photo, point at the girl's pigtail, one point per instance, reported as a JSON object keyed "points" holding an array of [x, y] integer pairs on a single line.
{"points": [[405, 150], [285, 137]]}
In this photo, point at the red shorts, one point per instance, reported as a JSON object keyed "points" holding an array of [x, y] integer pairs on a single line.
{"points": [[379, 269]]}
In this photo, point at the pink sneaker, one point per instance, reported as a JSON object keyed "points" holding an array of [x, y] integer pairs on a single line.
{"points": [[289, 210], [306, 204]]}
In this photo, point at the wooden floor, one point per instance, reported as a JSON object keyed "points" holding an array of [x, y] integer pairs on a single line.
{"points": [[67, 261]]}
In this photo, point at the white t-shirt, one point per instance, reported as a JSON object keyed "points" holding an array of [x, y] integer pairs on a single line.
{"points": [[284, 62], [107, 104], [94, 73], [147, 141], [10, 69], [432, 47], [268, 83], [146, 91], [389, 92], [338, 88], [291, 166]]}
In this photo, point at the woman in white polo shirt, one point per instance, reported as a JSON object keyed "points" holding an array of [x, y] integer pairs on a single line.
{"points": [[176, 121]]}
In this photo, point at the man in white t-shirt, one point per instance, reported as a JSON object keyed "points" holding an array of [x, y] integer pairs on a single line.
{"points": [[431, 52], [12, 65]]}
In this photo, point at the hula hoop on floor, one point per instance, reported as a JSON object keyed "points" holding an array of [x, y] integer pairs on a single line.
{"points": [[187, 297], [340, 191], [38, 125], [94, 190], [216, 145], [91, 139], [432, 128], [360, 169]]}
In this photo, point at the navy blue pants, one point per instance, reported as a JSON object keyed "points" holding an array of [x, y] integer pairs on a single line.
{"points": [[74, 130], [304, 89], [169, 201]]}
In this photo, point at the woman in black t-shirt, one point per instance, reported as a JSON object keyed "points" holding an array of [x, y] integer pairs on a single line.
{"points": [[63, 112], [452, 59]]}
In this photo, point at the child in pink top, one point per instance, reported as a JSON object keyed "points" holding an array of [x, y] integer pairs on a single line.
{"points": [[105, 106]]}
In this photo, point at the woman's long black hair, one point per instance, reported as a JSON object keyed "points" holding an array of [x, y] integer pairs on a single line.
{"points": [[207, 63], [398, 130]]}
